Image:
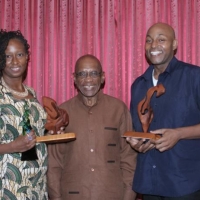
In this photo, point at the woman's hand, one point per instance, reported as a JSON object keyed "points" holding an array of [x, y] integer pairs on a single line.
{"points": [[23, 143]]}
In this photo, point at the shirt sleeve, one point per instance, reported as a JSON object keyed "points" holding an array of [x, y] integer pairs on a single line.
{"points": [[54, 173], [128, 158]]}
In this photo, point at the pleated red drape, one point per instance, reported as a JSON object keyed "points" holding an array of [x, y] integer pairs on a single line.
{"points": [[60, 31]]}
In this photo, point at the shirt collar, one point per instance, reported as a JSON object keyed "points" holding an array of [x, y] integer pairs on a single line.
{"points": [[169, 69], [99, 97]]}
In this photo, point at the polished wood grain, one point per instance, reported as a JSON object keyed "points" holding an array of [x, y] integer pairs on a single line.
{"points": [[65, 137]]}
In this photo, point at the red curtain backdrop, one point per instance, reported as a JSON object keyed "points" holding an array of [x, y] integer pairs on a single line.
{"points": [[60, 31]]}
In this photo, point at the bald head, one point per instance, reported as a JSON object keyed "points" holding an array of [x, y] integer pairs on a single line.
{"points": [[166, 28], [87, 57]]}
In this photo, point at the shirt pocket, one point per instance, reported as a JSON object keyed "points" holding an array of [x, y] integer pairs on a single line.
{"points": [[112, 147], [111, 133]]}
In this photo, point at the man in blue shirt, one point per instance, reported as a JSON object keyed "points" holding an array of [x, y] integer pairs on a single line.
{"points": [[168, 168]]}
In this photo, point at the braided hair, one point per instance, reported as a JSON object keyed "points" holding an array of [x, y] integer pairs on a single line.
{"points": [[5, 37]]}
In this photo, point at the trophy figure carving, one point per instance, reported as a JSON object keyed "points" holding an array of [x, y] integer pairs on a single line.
{"points": [[145, 114], [56, 118]]}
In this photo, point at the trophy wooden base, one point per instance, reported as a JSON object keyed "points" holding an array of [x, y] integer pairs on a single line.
{"points": [[140, 135], [58, 138]]}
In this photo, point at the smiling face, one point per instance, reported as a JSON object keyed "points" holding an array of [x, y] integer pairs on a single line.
{"points": [[88, 76], [16, 59], [160, 45]]}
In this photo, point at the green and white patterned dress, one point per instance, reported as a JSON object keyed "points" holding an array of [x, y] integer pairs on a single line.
{"points": [[21, 180]]}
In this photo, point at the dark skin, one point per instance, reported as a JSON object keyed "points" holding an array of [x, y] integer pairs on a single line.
{"points": [[16, 64], [89, 87], [160, 46]]}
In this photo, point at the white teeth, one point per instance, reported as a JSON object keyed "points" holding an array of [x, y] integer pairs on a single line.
{"points": [[88, 87], [15, 69], [154, 53]]}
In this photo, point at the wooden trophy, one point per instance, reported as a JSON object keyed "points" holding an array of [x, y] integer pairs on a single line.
{"points": [[145, 113], [56, 118]]}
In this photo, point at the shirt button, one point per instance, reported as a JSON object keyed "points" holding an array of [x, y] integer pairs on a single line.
{"points": [[92, 150], [154, 166], [90, 112], [91, 131], [92, 169]]}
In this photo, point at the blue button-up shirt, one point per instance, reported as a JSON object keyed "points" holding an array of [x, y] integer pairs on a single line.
{"points": [[174, 172]]}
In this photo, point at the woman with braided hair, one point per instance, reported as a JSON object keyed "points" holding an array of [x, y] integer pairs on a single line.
{"points": [[22, 118]]}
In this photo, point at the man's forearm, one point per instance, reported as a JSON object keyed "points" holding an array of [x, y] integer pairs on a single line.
{"points": [[190, 132]]}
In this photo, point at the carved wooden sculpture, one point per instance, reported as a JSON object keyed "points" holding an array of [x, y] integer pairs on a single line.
{"points": [[145, 113], [56, 118]]}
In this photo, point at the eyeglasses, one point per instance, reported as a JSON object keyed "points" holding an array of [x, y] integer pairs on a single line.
{"points": [[85, 74]]}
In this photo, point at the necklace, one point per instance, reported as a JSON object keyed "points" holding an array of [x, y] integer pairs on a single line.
{"points": [[20, 94]]}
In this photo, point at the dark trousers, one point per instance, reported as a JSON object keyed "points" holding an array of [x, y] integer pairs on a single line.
{"points": [[193, 196]]}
